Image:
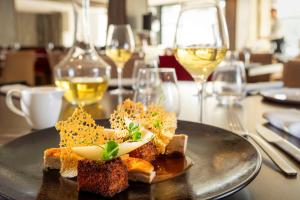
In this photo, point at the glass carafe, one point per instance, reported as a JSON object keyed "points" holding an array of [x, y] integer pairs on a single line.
{"points": [[82, 73]]}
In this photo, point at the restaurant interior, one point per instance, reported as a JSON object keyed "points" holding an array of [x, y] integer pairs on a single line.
{"points": [[207, 93]]}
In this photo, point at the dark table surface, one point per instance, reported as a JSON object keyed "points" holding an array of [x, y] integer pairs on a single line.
{"points": [[269, 184]]}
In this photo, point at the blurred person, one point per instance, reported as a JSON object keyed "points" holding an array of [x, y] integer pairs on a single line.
{"points": [[276, 35]]}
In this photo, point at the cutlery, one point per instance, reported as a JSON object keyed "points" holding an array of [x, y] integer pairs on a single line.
{"points": [[283, 144], [237, 127]]}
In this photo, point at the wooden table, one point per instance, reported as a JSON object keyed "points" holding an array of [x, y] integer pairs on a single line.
{"points": [[269, 184]]}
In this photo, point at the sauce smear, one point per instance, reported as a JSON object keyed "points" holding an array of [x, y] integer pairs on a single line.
{"points": [[170, 166]]}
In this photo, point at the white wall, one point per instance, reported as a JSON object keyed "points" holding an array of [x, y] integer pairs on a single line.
{"points": [[135, 10], [164, 2], [253, 25], [246, 21], [289, 15]]}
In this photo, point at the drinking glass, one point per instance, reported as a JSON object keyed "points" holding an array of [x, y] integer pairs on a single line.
{"points": [[201, 41], [229, 81], [119, 47], [247, 55], [158, 86], [139, 64]]}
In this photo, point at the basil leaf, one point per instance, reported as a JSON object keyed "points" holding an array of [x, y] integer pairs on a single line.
{"points": [[110, 151]]}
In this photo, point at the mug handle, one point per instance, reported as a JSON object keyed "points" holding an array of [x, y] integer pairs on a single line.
{"points": [[10, 104]]}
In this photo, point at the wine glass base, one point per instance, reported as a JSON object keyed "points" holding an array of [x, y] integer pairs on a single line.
{"points": [[120, 91]]}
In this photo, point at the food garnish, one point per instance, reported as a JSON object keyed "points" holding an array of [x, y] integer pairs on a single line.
{"points": [[157, 124], [134, 133], [155, 119], [96, 152], [110, 150]]}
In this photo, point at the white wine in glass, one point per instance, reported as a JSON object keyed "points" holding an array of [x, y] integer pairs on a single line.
{"points": [[119, 47], [201, 41], [119, 56]]}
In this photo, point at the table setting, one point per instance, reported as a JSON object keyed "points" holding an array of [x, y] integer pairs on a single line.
{"points": [[154, 136]]}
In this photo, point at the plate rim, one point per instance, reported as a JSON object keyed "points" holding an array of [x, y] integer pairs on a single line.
{"points": [[250, 178], [219, 195], [264, 94]]}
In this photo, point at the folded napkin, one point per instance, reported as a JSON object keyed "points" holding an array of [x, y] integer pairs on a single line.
{"points": [[255, 88], [287, 120]]}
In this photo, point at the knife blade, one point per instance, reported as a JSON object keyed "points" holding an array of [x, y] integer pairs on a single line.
{"points": [[283, 144]]}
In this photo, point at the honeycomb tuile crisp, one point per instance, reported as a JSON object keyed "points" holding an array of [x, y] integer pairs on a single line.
{"points": [[147, 118], [78, 130]]}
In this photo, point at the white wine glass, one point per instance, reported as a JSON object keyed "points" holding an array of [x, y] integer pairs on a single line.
{"points": [[119, 47], [201, 41]]}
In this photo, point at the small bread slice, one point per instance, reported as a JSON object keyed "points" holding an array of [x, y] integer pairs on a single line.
{"points": [[177, 144], [52, 158]]}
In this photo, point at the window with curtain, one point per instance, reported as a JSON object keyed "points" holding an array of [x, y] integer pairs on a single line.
{"points": [[98, 24]]}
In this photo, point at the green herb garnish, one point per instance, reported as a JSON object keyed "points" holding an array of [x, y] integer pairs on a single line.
{"points": [[154, 114], [136, 136], [134, 133], [157, 123], [110, 151]]}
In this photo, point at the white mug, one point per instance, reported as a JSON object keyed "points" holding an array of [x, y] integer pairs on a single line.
{"points": [[40, 106]]}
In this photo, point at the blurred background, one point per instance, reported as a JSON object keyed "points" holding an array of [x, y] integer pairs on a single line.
{"points": [[46, 27]]}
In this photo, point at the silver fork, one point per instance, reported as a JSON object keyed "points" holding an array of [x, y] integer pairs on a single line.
{"points": [[237, 127]]}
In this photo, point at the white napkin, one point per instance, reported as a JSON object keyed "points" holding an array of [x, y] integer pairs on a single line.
{"points": [[259, 86], [287, 120]]}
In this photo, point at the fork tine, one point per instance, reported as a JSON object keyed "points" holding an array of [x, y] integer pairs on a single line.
{"points": [[231, 122], [239, 123], [234, 122], [236, 126]]}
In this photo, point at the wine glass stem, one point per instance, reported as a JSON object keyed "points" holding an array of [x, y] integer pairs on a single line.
{"points": [[120, 73], [201, 90]]}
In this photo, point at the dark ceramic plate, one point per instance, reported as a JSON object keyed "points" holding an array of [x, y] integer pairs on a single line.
{"points": [[282, 95], [223, 164]]}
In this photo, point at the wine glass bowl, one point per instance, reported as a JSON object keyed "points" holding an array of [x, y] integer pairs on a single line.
{"points": [[201, 41], [119, 47]]}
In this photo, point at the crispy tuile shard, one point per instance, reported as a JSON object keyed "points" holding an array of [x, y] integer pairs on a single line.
{"points": [[163, 124], [78, 130]]}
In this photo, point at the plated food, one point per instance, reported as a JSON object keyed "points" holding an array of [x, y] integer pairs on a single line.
{"points": [[139, 145]]}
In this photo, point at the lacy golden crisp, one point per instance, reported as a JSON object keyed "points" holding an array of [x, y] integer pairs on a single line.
{"points": [[78, 130], [163, 124]]}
